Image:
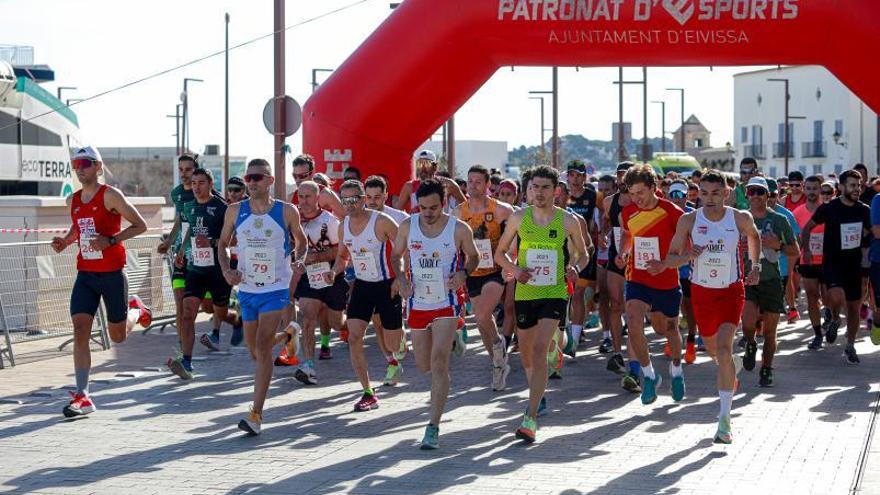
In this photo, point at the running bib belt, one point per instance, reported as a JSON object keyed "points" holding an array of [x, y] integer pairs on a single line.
{"points": [[541, 253], [91, 220], [264, 246], [432, 262]]}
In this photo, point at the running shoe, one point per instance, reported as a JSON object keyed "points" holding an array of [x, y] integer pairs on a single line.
{"points": [[606, 346], [393, 373], [690, 352], [293, 332], [766, 377], [542, 408], [826, 318], [593, 322], [616, 364], [792, 315], [816, 343], [701, 347], [237, 333], [570, 345], [499, 352], [850, 355], [252, 424], [145, 317], [284, 359], [306, 374], [649, 391], [555, 358], [325, 354], [343, 333], [875, 334], [554, 375], [80, 405], [431, 440], [678, 388], [177, 367], [210, 341], [831, 333], [724, 435], [368, 402], [499, 377], [527, 429], [750, 355], [667, 350], [458, 344], [630, 383]]}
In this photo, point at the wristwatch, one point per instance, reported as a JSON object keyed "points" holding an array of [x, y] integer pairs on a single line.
{"points": [[113, 241]]}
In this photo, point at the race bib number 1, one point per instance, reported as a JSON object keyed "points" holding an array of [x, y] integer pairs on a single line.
{"points": [[484, 248], [646, 249], [850, 235], [429, 286], [543, 264]]}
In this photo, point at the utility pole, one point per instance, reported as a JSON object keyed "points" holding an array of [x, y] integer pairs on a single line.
{"points": [[555, 146], [786, 146], [177, 128], [543, 146], [681, 138], [184, 98], [450, 145], [645, 147], [280, 113], [621, 150], [226, 114]]}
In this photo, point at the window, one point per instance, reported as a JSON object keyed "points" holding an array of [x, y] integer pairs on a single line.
{"points": [[817, 169], [817, 130], [698, 143], [744, 135], [838, 127], [773, 172], [757, 135], [838, 169], [803, 169]]}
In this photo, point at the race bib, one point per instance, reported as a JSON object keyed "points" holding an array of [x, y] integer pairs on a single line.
{"points": [[201, 256], [850, 235], [618, 235], [484, 248], [260, 265], [646, 249], [713, 270], [87, 233], [817, 243], [364, 266], [542, 264], [429, 286], [316, 272]]}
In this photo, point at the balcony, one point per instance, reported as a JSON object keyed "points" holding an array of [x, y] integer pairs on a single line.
{"points": [[779, 150], [815, 149], [756, 151]]}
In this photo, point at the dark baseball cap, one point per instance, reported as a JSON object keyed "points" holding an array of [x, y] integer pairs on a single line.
{"points": [[577, 166], [624, 166], [235, 181]]}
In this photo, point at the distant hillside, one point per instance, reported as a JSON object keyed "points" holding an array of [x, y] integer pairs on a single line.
{"points": [[602, 154]]}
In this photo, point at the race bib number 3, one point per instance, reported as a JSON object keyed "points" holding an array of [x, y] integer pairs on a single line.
{"points": [[542, 264], [87, 233], [713, 270], [484, 248], [850, 235], [364, 266], [429, 287], [260, 268], [315, 272], [646, 249]]}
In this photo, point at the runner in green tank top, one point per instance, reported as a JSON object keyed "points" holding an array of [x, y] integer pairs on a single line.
{"points": [[541, 273]]}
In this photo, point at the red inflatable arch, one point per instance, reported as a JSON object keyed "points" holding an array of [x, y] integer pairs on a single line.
{"points": [[430, 56]]}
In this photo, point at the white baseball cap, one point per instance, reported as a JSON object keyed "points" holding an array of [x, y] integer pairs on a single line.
{"points": [[758, 182], [678, 186], [87, 152], [426, 155]]}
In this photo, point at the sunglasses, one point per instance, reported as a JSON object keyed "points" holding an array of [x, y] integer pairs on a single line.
{"points": [[827, 193], [795, 184], [235, 189], [677, 195], [301, 177], [756, 192], [81, 163], [254, 177], [351, 200]]}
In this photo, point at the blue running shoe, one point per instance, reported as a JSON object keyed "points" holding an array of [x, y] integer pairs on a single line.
{"points": [[678, 388], [649, 390], [431, 440]]}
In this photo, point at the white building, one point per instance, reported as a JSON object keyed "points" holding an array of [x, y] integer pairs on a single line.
{"points": [[833, 129], [490, 154]]}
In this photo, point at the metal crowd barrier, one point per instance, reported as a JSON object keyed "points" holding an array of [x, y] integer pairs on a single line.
{"points": [[36, 283]]}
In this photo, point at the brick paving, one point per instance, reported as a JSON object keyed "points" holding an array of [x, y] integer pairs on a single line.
{"points": [[154, 434]]}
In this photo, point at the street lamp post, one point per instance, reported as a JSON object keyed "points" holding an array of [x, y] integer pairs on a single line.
{"points": [[788, 118], [226, 112], [184, 98], [662, 124], [554, 144], [541, 99], [681, 137], [62, 88], [315, 78], [621, 151]]}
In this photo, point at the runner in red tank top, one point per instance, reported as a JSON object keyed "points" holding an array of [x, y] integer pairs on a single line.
{"points": [[97, 211]]}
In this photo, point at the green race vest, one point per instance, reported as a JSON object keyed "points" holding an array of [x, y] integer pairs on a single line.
{"points": [[541, 251]]}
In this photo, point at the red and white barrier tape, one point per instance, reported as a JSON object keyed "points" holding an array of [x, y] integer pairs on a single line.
{"points": [[63, 231]]}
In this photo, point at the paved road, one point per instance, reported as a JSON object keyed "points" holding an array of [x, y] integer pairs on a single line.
{"points": [[155, 434]]}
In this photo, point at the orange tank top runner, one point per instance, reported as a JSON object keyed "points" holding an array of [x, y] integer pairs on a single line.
{"points": [[487, 231], [89, 221]]}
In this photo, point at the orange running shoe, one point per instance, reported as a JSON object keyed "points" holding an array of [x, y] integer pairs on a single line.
{"points": [[343, 333], [690, 352], [285, 359], [667, 350], [145, 318]]}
